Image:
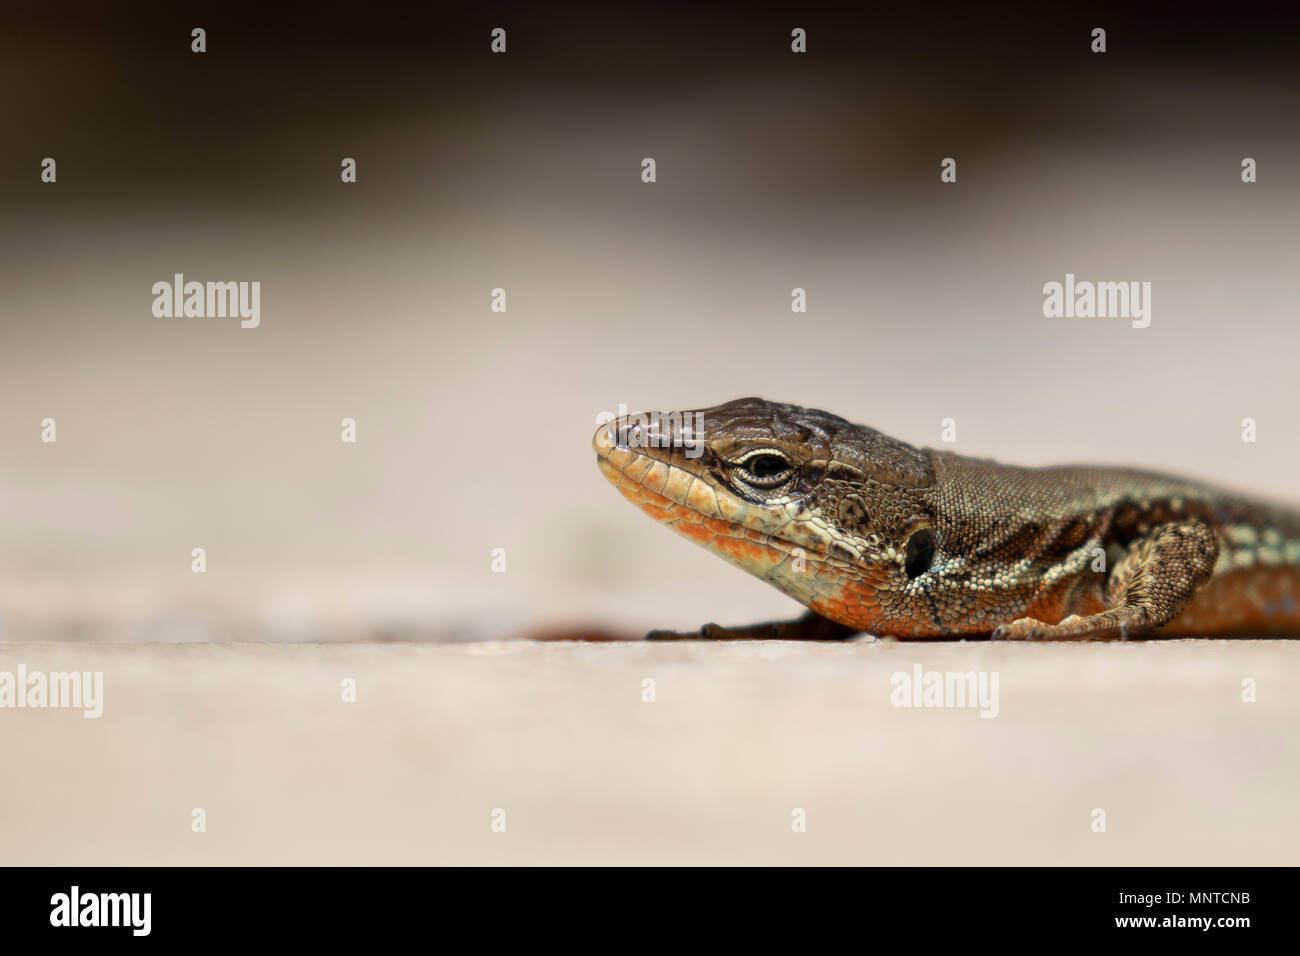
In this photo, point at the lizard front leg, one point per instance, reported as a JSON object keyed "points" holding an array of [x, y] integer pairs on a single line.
{"points": [[1147, 587], [810, 627]]}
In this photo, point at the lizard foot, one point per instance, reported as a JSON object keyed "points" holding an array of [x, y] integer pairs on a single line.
{"points": [[810, 627], [1022, 629], [703, 634], [1117, 624]]}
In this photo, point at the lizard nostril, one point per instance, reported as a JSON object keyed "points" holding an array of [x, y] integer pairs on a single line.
{"points": [[604, 440]]}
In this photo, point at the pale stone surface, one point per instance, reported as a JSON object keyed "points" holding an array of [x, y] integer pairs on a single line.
{"points": [[739, 736]]}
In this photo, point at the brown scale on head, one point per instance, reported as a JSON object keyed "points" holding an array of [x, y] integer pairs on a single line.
{"points": [[855, 516]]}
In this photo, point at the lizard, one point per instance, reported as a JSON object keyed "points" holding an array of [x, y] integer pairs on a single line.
{"points": [[874, 535]]}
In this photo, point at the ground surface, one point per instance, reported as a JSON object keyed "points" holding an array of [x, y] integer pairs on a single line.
{"points": [[739, 735]]}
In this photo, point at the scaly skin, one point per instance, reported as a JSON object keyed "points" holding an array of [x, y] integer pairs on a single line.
{"points": [[875, 535]]}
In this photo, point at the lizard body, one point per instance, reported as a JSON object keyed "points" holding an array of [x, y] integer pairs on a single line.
{"points": [[873, 534]]}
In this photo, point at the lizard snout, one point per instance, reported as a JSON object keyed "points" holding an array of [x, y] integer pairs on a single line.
{"points": [[603, 441], [643, 431]]}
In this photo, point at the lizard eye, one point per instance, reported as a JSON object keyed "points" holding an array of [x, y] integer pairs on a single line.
{"points": [[765, 469]]}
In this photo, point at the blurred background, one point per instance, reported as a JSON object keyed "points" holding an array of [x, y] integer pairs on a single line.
{"points": [[523, 171]]}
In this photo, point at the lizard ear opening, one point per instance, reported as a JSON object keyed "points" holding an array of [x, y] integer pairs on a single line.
{"points": [[920, 553]]}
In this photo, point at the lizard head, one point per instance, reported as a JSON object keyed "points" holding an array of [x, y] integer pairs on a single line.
{"points": [[828, 511]]}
